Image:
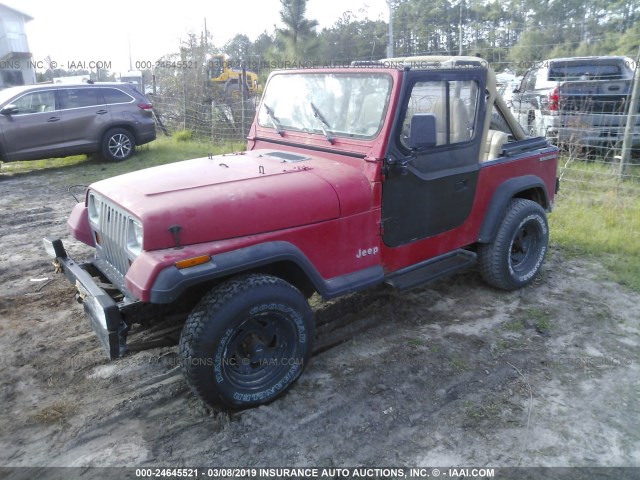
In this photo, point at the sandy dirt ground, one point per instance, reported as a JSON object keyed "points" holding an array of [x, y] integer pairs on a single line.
{"points": [[453, 374]]}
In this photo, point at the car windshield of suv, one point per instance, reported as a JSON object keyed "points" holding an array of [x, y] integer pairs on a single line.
{"points": [[336, 105]]}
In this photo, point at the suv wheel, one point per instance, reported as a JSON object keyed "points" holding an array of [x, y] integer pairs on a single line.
{"points": [[516, 254], [246, 341], [118, 144]]}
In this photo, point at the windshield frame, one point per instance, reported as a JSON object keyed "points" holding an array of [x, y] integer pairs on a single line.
{"points": [[343, 106]]}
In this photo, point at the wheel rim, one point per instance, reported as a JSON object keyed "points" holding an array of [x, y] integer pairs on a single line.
{"points": [[259, 351], [525, 247], [119, 145]]}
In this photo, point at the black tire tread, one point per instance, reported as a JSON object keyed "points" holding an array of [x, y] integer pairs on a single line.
{"points": [[489, 263], [206, 308]]}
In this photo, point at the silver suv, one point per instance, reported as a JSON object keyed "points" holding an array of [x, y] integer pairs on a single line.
{"points": [[44, 121]]}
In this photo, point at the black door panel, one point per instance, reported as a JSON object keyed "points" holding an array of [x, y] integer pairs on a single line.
{"points": [[416, 209], [434, 193]]}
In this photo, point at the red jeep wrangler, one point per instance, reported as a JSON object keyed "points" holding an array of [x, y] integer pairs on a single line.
{"points": [[398, 172]]}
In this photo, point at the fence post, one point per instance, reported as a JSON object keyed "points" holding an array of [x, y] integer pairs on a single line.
{"points": [[243, 92], [631, 120], [184, 99]]}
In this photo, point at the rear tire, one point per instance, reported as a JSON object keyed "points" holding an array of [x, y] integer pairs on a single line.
{"points": [[515, 256], [247, 341], [118, 144]]}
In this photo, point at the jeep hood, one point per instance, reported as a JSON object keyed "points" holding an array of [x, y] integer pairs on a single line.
{"points": [[229, 196]]}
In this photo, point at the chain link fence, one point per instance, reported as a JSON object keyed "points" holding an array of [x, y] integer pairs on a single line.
{"points": [[219, 120], [591, 157]]}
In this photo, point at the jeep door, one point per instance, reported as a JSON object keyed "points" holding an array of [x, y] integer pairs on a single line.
{"points": [[85, 116], [33, 129], [434, 192]]}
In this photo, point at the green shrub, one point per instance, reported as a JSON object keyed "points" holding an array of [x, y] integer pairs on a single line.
{"points": [[183, 136]]}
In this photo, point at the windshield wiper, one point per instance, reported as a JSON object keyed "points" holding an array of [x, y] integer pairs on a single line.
{"points": [[323, 122], [274, 121]]}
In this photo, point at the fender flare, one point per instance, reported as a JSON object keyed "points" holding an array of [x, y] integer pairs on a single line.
{"points": [[501, 198], [171, 282], [124, 125]]}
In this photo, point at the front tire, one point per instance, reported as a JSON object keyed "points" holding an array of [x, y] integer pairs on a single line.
{"points": [[247, 341], [118, 145], [515, 256]]}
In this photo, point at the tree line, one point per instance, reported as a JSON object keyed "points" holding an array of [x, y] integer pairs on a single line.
{"points": [[507, 33], [510, 33]]}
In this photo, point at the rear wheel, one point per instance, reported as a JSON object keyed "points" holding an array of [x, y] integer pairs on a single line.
{"points": [[515, 256], [247, 341], [118, 144]]}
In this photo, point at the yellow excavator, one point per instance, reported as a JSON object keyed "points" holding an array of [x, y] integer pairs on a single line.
{"points": [[227, 77]]}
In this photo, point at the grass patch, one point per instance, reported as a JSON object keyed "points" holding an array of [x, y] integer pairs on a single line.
{"points": [[460, 364], [84, 170], [515, 326], [183, 136], [56, 413], [597, 215], [543, 325], [480, 411], [415, 342], [541, 319]]}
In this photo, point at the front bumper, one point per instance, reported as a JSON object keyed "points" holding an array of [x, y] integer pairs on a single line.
{"points": [[103, 311]]}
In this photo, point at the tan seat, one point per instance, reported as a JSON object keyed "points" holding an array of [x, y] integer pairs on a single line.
{"points": [[493, 146], [458, 123]]}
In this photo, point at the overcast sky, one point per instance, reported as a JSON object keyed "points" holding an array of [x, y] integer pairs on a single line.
{"points": [[73, 30]]}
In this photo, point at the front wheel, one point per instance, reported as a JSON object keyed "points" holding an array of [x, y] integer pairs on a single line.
{"points": [[118, 144], [515, 256], [246, 341]]}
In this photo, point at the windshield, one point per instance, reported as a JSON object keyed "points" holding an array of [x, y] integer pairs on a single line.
{"points": [[341, 105]]}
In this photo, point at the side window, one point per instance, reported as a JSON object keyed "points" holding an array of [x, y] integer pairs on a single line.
{"points": [[453, 103], [114, 95], [36, 102], [80, 97]]}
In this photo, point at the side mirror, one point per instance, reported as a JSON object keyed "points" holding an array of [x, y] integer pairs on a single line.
{"points": [[423, 131], [9, 109]]}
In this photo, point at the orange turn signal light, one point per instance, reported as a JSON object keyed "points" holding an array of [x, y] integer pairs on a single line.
{"points": [[192, 262]]}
